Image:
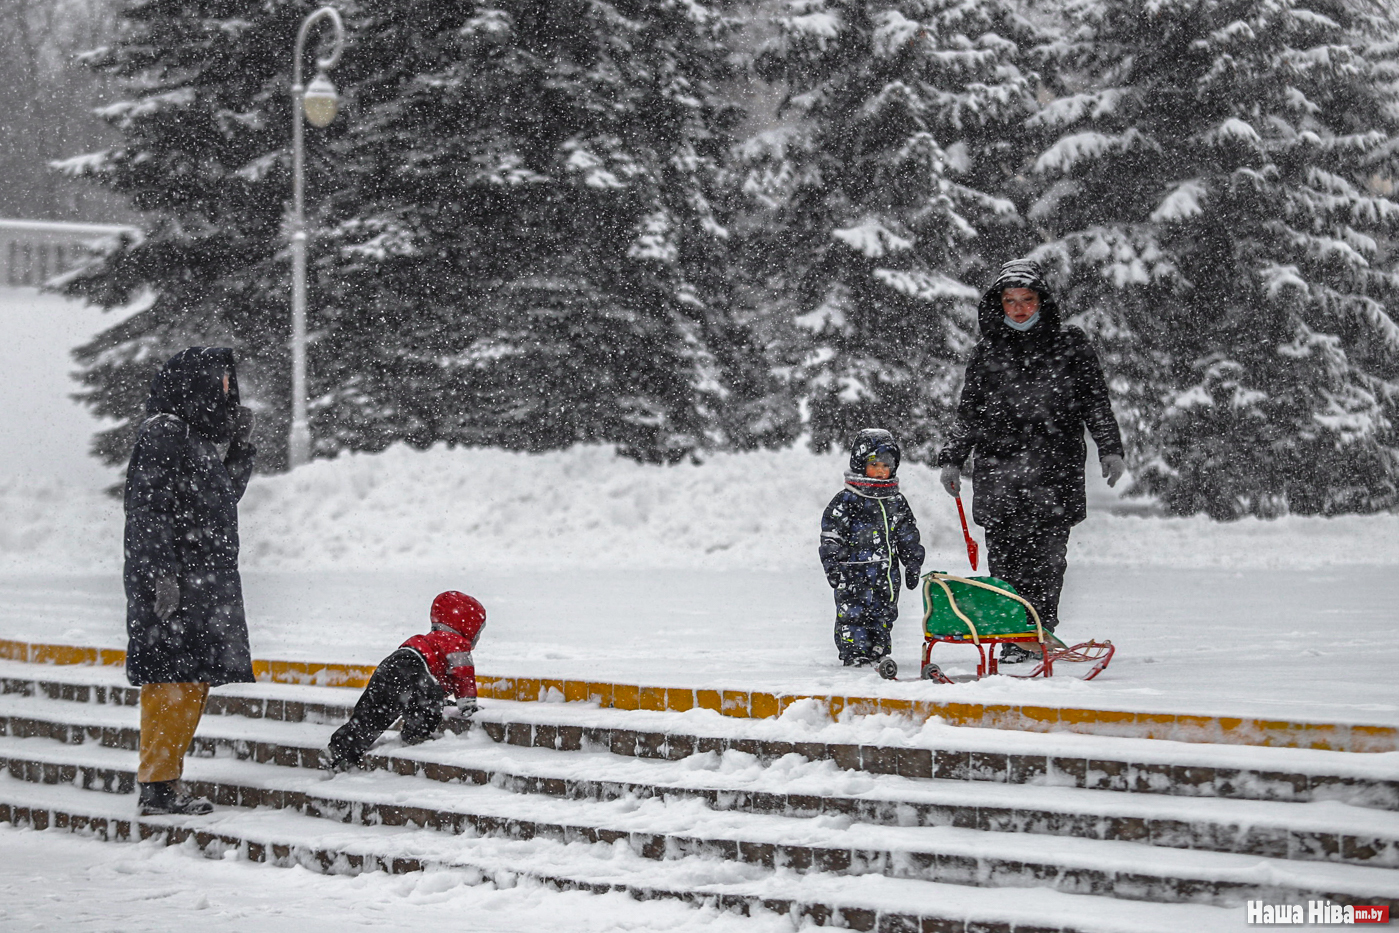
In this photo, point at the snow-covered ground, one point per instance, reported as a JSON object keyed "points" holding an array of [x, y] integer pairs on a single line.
{"points": [[688, 575], [54, 881]]}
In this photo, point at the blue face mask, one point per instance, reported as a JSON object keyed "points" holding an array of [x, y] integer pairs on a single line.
{"points": [[1031, 321]]}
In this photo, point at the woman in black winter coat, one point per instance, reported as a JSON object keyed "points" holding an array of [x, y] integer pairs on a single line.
{"points": [[184, 599], [1032, 386]]}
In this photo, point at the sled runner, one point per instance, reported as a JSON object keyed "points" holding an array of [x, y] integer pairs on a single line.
{"points": [[985, 611]]}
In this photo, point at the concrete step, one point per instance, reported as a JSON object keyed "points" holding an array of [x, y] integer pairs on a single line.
{"points": [[1322, 831], [108, 687], [859, 902], [1140, 766], [662, 829]]}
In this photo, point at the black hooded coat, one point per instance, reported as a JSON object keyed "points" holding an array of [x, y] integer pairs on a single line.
{"points": [[1025, 402], [182, 520]]}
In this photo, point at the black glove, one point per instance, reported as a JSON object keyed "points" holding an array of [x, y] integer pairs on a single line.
{"points": [[467, 707], [167, 595], [833, 578], [242, 425], [911, 575], [951, 480], [1113, 468]]}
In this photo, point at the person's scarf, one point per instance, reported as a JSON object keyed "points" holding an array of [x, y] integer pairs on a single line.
{"points": [[871, 488]]}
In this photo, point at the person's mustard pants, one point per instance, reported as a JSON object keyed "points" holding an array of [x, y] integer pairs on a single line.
{"points": [[169, 715]]}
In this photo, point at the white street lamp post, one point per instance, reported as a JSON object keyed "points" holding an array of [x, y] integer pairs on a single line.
{"points": [[318, 104]]}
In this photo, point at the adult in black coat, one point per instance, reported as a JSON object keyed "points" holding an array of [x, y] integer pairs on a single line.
{"points": [[184, 600], [1032, 385]]}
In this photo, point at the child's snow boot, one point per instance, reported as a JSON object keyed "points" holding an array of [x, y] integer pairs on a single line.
{"points": [[167, 798], [335, 763]]}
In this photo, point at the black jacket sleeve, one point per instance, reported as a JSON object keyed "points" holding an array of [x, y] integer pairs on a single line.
{"points": [[971, 408], [239, 464], [908, 540], [835, 538], [1092, 390], [152, 497]]}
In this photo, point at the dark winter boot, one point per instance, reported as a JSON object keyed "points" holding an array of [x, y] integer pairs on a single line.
{"points": [[167, 798], [853, 643], [1012, 653], [337, 763]]}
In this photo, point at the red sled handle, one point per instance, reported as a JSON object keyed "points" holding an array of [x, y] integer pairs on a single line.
{"points": [[973, 549]]}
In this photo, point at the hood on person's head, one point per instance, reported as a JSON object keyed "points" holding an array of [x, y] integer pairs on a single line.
{"points": [[459, 612], [190, 387], [874, 443], [1018, 273]]}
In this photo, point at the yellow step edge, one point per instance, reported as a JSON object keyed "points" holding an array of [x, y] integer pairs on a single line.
{"points": [[742, 704]]}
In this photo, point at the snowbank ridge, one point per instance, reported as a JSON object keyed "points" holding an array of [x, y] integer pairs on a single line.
{"points": [[587, 508]]}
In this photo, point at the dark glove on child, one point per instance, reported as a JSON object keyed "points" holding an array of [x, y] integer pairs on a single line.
{"points": [[466, 706], [833, 578], [911, 575]]}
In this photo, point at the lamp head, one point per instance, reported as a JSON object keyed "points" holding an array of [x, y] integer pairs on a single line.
{"points": [[320, 101]]}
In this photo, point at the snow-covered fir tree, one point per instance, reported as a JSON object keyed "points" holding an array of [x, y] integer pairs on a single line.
{"points": [[531, 247], [517, 229], [882, 199], [205, 158], [1218, 196]]}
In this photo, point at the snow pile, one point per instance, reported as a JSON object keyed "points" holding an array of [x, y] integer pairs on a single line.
{"points": [[586, 508], [579, 508], [55, 525]]}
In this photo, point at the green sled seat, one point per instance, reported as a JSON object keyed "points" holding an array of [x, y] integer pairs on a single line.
{"points": [[975, 608], [985, 612]]}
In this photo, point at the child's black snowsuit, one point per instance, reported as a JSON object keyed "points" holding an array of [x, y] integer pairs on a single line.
{"points": [[403, 686], [414, 681], [867, 531]]}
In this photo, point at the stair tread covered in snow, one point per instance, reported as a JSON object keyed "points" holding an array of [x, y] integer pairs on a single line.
{"points": [[866, 814], [290, 838]]}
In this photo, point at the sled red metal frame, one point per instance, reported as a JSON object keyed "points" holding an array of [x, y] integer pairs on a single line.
{"points": [[1100, 652]]}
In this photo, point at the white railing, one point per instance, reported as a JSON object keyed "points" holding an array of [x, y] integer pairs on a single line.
{"points": [[34, 251]]}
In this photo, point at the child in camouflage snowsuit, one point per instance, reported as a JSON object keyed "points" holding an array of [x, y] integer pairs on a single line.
{"points": [[866, 533]]}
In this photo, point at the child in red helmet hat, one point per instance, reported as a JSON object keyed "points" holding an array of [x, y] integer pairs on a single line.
{"points": [[415, 681]]}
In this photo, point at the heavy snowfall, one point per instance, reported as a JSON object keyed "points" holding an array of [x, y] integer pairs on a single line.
{"points": [[705, 585], [597, 295]]}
